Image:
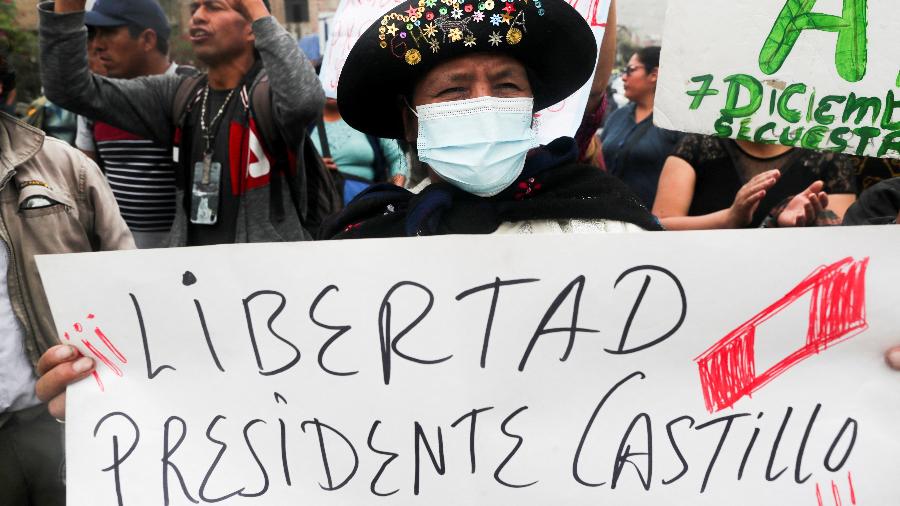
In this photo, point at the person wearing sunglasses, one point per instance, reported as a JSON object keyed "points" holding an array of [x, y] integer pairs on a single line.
{"points": [[634, 149]]}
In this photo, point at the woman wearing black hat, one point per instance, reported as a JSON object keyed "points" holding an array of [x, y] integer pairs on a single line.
{"points": [[460, 80]]}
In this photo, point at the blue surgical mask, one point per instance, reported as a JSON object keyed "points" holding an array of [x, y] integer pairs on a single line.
{"points": [[478, 145]]}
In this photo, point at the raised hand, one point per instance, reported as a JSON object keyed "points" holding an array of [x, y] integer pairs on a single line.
{"points": [[803, 209], [251, 9], [747, 200], [69, 5]]}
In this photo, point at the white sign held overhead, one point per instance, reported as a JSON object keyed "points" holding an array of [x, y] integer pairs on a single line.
{"points": [[812, 74], [617, 369], [353, 17]]}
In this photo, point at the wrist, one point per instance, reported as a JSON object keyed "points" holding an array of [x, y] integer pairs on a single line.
{"points": [[63, 6], [732, 219]]}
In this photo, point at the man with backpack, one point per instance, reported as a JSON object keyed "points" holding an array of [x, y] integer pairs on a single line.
{"points": [[130, 39], [234, 130]]}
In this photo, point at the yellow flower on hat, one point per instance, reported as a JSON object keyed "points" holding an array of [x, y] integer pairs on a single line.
{"points": [[456, 34], [514, 36], [392, 29], [413, 56]]}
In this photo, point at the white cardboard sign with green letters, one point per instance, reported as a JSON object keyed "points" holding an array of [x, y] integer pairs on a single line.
{"points": [[817, 74]]}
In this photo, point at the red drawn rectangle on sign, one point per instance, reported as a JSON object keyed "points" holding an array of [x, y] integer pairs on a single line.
{"points": [[837, 311]]}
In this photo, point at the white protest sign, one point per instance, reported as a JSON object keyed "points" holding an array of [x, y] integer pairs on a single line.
{"points": [[813, 74], [353, 17], [563, 119], [638, 369]]}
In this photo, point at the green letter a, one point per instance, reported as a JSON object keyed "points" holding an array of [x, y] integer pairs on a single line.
{"points": [[851, 53]]}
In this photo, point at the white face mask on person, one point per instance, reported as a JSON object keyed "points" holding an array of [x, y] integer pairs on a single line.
{"points": [[478, 145]]}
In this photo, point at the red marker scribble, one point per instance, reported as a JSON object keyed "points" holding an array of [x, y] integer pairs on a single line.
{"points": [[837, 312], [115, 351], [101, 357], [96, 376], [836, 493], [594, 12]]}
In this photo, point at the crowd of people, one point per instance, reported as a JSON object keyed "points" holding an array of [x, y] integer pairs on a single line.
{"points": [[426, 139]]}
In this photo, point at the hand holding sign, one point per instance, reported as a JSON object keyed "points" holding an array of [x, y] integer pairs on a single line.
{"points": [[515, 380], [893, 358], [59, 367]]}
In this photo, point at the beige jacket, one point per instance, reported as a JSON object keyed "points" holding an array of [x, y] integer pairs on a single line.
{"points": [[83, 216]]}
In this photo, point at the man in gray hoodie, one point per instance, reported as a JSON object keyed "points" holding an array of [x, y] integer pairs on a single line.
{"points": [[234, 184]]}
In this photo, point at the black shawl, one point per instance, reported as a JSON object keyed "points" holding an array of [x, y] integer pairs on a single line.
{"points": [[552, 187]]}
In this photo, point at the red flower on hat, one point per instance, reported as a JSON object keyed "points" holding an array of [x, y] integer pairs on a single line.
{"points": [[509, 8]]}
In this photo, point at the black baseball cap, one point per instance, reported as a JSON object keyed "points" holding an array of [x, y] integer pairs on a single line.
{"points": [[139, 13]]}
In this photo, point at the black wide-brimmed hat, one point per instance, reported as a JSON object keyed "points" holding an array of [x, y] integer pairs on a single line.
{"points": [[549, 37]]}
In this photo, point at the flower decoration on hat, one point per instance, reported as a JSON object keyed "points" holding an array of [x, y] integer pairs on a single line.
{"points": [[411, 29]]}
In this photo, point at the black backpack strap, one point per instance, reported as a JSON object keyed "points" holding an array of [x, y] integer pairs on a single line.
{"points": [[186, 95], [380, 165], [261, 109], [323, 138], [313, 188]]}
